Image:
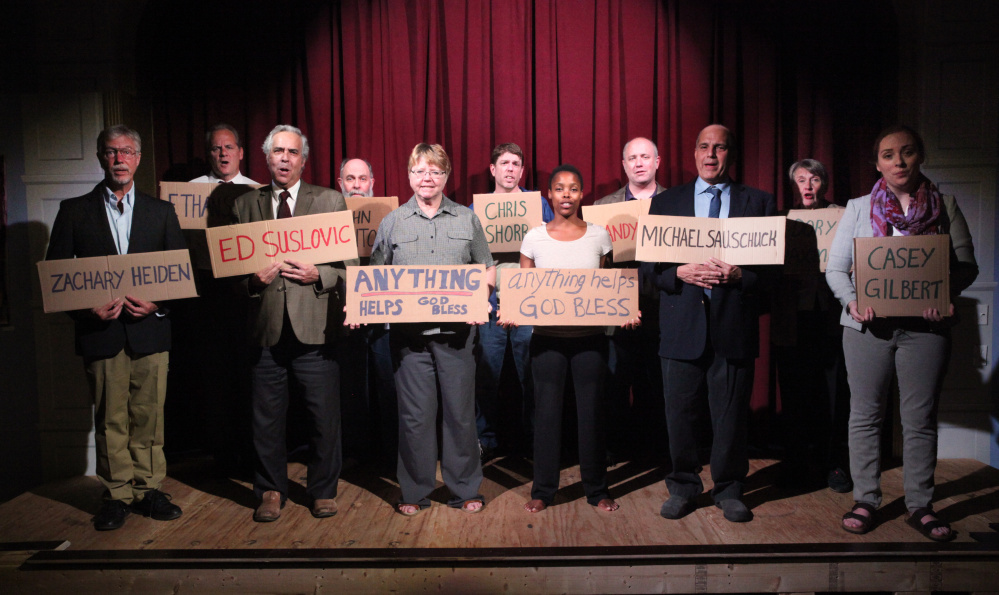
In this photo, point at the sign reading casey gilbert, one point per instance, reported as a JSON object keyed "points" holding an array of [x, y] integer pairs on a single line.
{"points": [[82, 283], [620, 219], [809, 236], [738, 240], [902, 275], [313, 239], [417, 293], [506, 218], [569, 297], [368, 214]]}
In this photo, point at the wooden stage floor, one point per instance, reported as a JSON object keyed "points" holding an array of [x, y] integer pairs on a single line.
{"points": [[795, 543]]}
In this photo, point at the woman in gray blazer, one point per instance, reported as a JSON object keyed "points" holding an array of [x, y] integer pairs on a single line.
{"points": [[902, 202]]}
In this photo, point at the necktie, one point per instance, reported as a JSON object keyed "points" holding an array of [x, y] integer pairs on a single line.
{"points": [[121, 207], [284, 211], [714, 210]]}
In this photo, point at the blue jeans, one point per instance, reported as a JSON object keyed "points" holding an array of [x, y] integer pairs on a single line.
{"points": [[490, 355]]}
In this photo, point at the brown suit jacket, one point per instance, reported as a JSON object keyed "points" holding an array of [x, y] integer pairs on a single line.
{"points": [[315, 310], [619, 195]]}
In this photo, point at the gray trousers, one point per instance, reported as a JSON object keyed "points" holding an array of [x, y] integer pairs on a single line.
{"points": [[873, 357], [421, 363]]}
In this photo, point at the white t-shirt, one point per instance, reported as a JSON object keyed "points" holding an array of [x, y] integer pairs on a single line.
{"points": [[583, 253]]}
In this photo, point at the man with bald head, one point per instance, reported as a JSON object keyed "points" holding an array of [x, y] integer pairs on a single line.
{"points": [[710, 335], [357, 178], [634, 383]]}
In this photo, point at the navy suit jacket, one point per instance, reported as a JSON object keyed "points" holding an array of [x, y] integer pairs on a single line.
{"points": [[683, 321], [81, 230]]}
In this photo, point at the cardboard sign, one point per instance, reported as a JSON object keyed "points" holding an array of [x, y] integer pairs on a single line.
{"points": [[201, 205], [417, 293], [82, 283], [738, 240], [808, 238], [620, 219], [902, 275], [570, 297], [313, 239], [506, 218], [368, 214]]}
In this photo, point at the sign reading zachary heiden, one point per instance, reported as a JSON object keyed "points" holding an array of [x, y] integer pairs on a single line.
{"points": [[902, 275], [620, 219], [569, 297], [368, 214], [82, 283], [506, 218], [250, 247], [737, 241], [417, 293]]}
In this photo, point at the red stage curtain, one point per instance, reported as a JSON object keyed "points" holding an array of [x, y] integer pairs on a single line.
{"points": [[568, 80]]}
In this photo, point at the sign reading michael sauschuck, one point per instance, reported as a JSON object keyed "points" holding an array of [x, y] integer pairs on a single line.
{"points": [[737, 241]]}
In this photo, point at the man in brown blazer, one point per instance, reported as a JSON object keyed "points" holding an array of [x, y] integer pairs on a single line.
{"points": [[295, 319]]}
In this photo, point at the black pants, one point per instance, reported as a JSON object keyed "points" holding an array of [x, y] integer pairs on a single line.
{"points": [[551, 357], [313, 370], [728, 384]]}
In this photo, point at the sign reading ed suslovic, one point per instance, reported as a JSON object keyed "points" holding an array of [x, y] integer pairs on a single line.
{"points": [[417, 293], [569, 297]]}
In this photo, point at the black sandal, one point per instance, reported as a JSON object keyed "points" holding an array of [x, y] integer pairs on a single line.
{"points": [[866, 522], [926, 529]]}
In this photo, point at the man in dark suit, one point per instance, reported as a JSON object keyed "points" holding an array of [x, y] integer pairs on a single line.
{"points": [[295, 319], [710, 335], [125, 342]]}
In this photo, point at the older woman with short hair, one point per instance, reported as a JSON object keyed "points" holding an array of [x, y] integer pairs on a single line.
{"points": [[432, 229], [915, 349]]}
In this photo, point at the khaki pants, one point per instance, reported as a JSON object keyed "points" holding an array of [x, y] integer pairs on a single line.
{"points": [[129, 391]]}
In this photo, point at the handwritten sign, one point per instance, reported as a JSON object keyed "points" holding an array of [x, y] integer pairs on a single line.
{"points": [[313, 239], [902, 275], [808, 238], [418, 293], [201, 205], [81, 283], [368, 214], [506, 218], [570, 297], [738, 240], [620, 219]]}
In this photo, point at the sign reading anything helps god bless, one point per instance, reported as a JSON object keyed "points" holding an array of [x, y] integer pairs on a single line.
{"points": [[506, 218], [250, 247], [368, 215], [417, 293], [83, 283], [620, 219], [569, 297], [902, 275], [736, 241]]}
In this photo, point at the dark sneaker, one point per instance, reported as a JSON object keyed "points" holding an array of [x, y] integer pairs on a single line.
{"points": [[111, 516], [156, 505], [839, 481]]}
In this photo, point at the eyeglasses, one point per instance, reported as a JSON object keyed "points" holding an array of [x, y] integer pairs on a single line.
{"points": [[126, 153], [420, 173]]}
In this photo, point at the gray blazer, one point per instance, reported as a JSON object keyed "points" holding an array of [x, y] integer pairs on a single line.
{"points": [[856, 223], [618, 196], [315, 310]]}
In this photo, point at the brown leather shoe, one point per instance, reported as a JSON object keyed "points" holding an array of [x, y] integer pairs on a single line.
{"points": [[323, 508], [270, 507]]}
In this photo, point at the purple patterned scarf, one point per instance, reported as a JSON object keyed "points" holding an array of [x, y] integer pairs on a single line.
{"points": [[924, 210]]}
